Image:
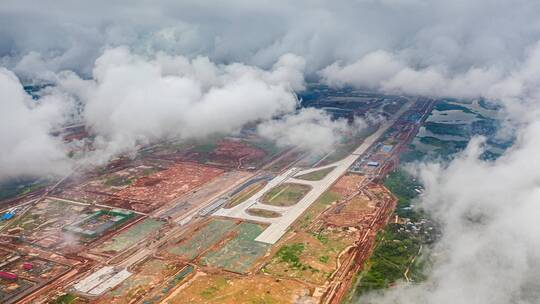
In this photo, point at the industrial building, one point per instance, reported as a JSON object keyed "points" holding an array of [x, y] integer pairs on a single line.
{"points": [[99, 222]]}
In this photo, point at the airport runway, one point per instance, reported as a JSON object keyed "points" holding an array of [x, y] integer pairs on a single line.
{"points": [[278, 226]]}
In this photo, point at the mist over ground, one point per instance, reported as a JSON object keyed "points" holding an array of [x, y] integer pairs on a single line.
{"points": [[149, 70]]}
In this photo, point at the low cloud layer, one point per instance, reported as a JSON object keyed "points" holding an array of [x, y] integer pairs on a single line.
{"points": [[27, 146], [309, 129], [386, 72], [133, 100], [459, 33], [490, 249]]}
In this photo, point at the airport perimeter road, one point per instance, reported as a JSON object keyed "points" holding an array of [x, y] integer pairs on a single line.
{"points": [[278, 226]]}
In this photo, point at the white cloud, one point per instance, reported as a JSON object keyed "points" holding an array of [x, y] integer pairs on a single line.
{"points": [[456, 33], [309, 129], [390, 73], [28, 149], [369, 71], [134, 100], [490, 248]]}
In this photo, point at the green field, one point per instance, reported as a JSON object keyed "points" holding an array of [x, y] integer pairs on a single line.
{"points": [[397, 249], [9, 189], [310, 255], [317, 207], [69, 298], [285, 194], [240, 253], [444, 106], [202, 239], [131, 236], [447, 129], [402, 186], [205, 148], [316, 175], [444, 148], [290, 254], [392, 256], [262, 212], [169, 285], [118, 181]]}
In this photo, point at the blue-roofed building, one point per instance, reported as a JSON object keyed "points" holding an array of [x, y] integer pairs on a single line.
{"points": [[7, 216], [387, 148]]}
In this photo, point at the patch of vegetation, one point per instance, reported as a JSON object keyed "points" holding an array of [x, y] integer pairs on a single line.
{"points": [[403, 186], [321, 237], [392, 256], [68, 298], [263, 213], [447, 129], [118, 181], [486, 127], [444, 148], [149, 171], [290, 254], [444, 106], [131, 236], [316, 175], [285, 194], [239, 253], [397, 249], [434, 141], [489, 105], [412, 155], [317, 207], [205, 148], [13, 188], [501, 144], [457, 100], [328, 197], [307, 258], [213, 290]]}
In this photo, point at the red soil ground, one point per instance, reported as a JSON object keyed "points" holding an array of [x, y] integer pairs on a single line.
{"points": [[163, 186]]}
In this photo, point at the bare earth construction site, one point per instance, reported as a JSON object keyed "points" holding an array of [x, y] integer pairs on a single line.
{"points": [[228, 220]]}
